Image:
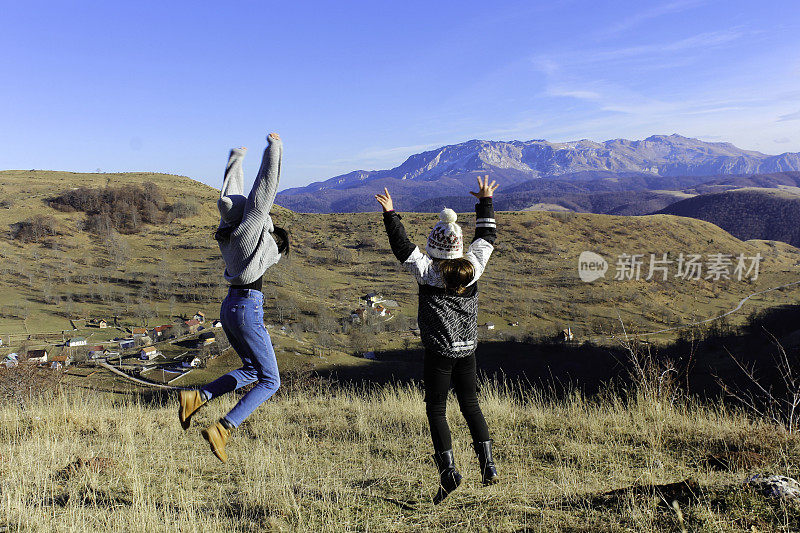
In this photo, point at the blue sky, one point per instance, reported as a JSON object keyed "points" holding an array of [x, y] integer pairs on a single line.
{"points": [[170, 86]]}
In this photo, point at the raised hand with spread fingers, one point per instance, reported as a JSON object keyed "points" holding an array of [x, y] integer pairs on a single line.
{"points": [[485, 189]]}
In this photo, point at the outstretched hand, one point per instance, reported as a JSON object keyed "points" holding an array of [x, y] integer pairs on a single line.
{"points": [[385, 200], [485, 189]]}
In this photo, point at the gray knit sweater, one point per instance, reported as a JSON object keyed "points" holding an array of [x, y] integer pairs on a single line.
{"points": [[251, 250]]}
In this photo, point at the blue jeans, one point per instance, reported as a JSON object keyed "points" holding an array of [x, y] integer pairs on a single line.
{"points": [[242, 317]]}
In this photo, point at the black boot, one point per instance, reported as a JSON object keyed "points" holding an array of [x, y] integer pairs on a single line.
{"points": [[449, 478], [484, 452]]}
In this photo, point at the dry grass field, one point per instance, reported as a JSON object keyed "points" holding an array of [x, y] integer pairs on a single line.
{"points": [[325, 458]]}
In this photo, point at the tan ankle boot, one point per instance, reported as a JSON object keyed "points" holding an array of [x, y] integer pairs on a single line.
{"points": [[190, 401], [217, 436]]}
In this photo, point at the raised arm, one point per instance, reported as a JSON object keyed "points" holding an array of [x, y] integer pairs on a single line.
{"points": [[401, 245], [234, 177], [261, 197], [231, 202], [485, 227], [403, 249]]}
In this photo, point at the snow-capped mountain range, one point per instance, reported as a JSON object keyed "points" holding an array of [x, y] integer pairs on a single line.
{"points": [[451, 170]]}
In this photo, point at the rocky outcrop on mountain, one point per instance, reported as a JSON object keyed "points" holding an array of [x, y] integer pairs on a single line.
{"points": [[516, 162]]}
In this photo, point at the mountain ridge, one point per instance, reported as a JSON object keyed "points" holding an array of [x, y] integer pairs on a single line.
{"points": [[451, 169]]}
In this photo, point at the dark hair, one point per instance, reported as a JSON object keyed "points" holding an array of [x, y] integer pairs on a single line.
{"points": [[281, 237], [456, 273]]}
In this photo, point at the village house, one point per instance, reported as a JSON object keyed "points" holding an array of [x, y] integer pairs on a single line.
{"points": [[144, 340], [370, 299], [357, 316], [206, 338], [148, 353], [37, 356], [216, 324], [76, 341], [57, 362], [489, 325], [138, 332], [11, 360], [162, 332], [127, 344], [95, 352], [200, 317], [98, 323], [191, 362], [192, 325]]}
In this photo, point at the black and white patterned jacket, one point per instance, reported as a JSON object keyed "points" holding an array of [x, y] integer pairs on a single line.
{"points": [[448, 323]]}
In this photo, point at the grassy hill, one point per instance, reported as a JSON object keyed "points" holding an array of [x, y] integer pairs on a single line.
{"points": [[324, 455], [323, 458], [747, 213], [174, 268]]}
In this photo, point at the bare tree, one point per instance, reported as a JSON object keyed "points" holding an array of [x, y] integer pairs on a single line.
{"points": [[117, 248], [780, 404]]}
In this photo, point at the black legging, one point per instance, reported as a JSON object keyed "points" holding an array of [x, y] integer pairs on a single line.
{"points": [[440, 371]]}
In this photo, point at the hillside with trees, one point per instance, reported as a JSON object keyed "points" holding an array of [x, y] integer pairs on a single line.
{"points": [[748, 213], [531, 288]]}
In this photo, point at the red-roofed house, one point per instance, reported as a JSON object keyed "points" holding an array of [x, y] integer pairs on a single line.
{"points": [[162, 331]]}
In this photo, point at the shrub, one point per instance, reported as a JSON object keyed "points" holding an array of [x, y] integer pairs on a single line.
{"points": [[26, 381], [124, 208], [185, 208], [34, 229]]}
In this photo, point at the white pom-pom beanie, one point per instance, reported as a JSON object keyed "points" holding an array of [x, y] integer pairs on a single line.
{"points": [[445, 241]]}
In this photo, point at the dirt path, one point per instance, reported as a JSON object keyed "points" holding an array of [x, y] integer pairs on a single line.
{"points": [[706, 321], [139, 380]]}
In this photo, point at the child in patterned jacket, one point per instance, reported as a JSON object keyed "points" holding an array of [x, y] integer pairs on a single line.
{"points": [[448, 323]]}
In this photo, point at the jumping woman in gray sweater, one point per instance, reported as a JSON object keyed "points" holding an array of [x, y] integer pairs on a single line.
{"points": [[250, 244]]}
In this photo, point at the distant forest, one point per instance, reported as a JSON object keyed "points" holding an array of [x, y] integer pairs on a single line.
{"points": [[746, 214], [124, 209]]}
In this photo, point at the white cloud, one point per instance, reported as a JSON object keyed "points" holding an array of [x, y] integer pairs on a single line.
{"points": [[383, 156], [552, 64], [651, 13], [789, 116]]}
